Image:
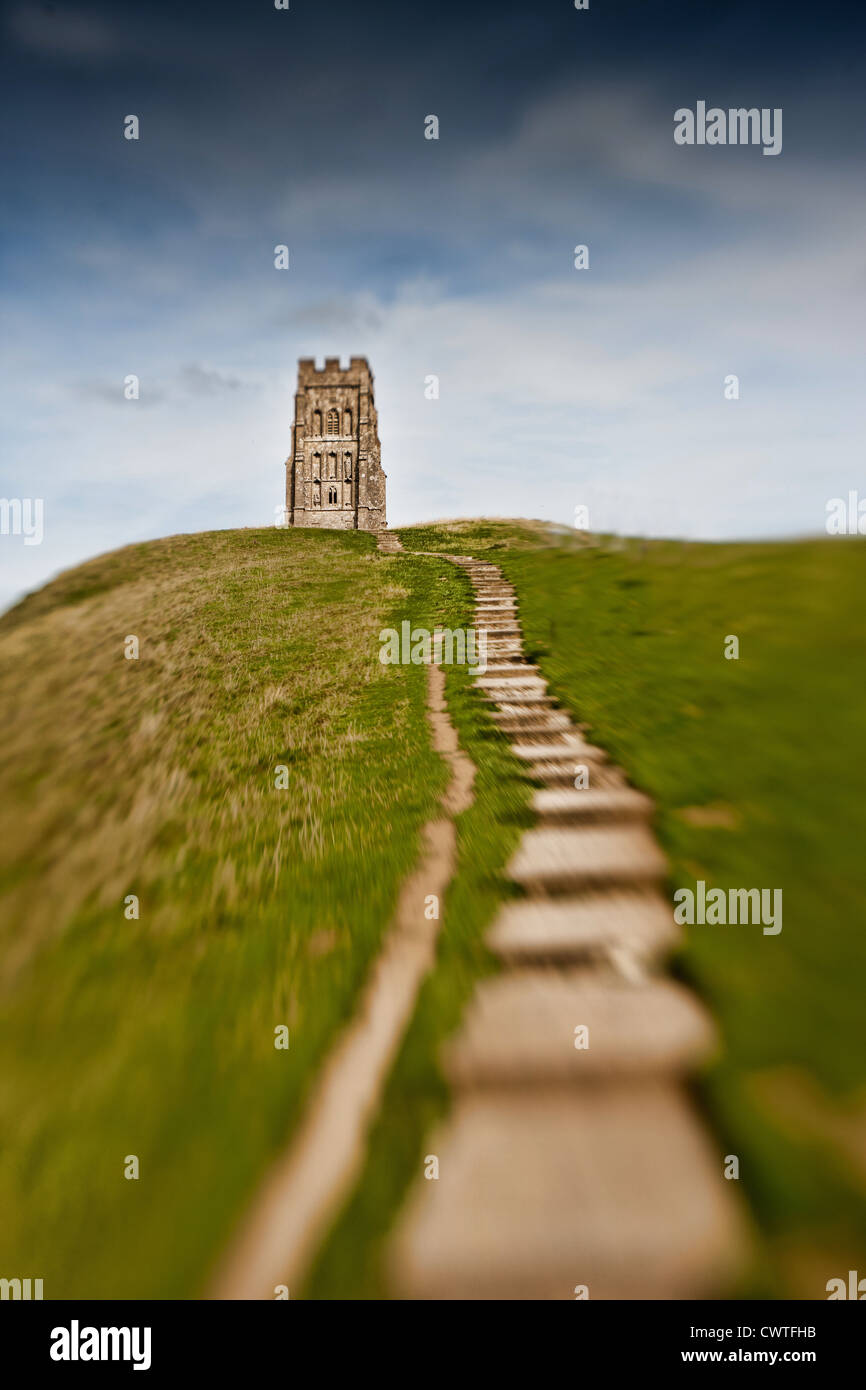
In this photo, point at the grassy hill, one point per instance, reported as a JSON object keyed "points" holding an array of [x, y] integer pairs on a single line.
{"points": [[259, 906], [263, 905], [756, 766]]}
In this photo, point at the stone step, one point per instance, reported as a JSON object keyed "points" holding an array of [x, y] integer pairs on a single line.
{"points": [[559, 751], [519, 700], [519, 1029], [556, 859], [516, 688], [565, 806], [529, 736], [509, 672], [507, 666], [615, 1188], [516, 692], [587, 927], [562, 774], [537, 722]]}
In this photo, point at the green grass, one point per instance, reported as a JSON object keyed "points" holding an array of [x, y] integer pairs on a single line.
{"points": [[770, 750], [259, 906], [353, 1261]]}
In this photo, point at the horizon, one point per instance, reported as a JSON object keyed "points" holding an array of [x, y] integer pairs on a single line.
{"points": [[454, 258], [554, 526]]}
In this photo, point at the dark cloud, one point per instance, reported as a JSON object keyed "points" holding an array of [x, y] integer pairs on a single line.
{"points": [[62, 32]]}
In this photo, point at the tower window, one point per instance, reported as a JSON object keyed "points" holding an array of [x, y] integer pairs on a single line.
{"points": [[332, 495], [333, 421]]}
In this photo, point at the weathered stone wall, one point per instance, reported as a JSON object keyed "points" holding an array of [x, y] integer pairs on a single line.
{"points": [[334, 475]]}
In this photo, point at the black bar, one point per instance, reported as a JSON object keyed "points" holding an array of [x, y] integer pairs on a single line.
{"points": [[227, 1339]]}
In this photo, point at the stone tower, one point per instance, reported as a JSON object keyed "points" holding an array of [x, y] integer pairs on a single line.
{"points": [[334, 477]]}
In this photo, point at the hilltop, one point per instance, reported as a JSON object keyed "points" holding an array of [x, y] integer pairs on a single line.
{"points": [[155, 779]]}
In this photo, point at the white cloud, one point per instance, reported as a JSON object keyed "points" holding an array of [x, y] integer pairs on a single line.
{"points": [[557, 387]]}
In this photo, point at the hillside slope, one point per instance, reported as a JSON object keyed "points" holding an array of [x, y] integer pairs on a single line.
{"points": [[756, 767], [264, 905], [260, 905]]}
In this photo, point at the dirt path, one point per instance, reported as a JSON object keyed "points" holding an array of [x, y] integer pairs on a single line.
{"points": [[574, 1163], [304, 1191]]}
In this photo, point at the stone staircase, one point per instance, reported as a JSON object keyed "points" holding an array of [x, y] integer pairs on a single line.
{"points": [[570, 1170], [389, 542]]}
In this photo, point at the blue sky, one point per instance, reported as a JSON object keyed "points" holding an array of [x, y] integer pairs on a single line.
{"points": [[455, 257]]}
